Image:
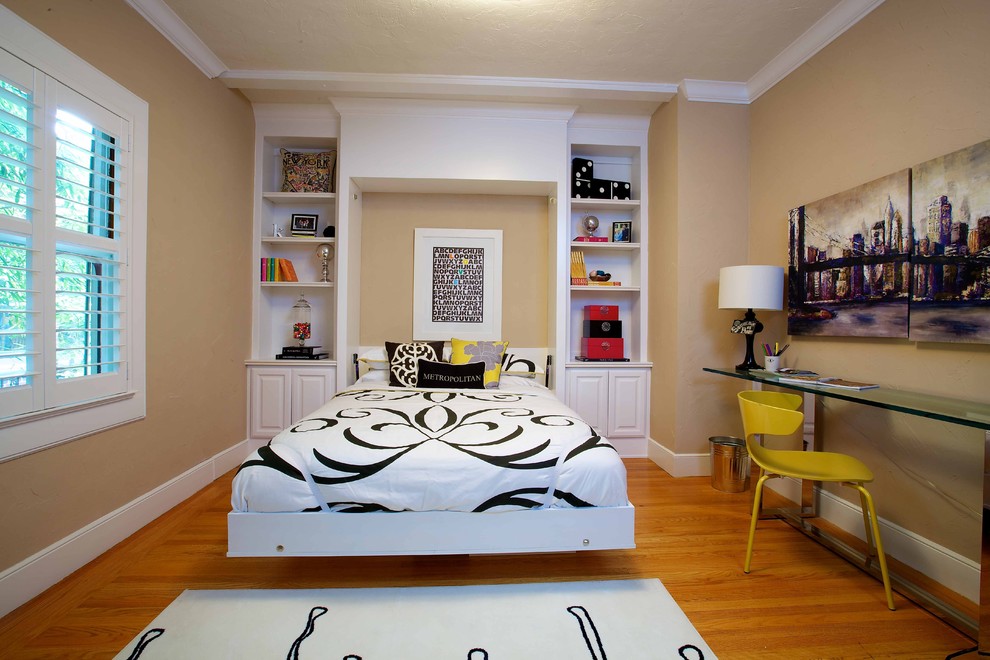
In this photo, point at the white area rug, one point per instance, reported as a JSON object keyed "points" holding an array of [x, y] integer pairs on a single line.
{"points": [[616, 619]]}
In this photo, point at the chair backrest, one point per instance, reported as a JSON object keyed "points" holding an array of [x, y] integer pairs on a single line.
{"points": [[770, 413]]}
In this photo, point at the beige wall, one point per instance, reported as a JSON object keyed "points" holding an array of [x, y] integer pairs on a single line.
{"points": [[699, 156], [388, 234], [199, 278], [906, 84]]}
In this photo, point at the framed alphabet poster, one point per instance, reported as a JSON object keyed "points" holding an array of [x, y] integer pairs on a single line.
{"points": [[457, 284]]}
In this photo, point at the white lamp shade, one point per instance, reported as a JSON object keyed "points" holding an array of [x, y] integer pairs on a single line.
{"points": [[751, 287]]}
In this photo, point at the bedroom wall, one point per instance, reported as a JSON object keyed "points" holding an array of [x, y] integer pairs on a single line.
{"points": [[198, 298], [906, 84], [388, 235], [699, 154]]}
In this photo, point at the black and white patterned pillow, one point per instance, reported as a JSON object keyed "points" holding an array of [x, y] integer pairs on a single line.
{"points": [[403, 360]]}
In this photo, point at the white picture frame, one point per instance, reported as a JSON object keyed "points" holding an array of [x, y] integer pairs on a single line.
{"points": [[455, 295]]}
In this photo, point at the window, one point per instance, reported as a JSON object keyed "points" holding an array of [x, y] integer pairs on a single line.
{"points": [[73, 170]]}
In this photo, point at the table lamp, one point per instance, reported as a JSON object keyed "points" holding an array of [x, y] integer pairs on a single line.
{"points": [[750, 288]]}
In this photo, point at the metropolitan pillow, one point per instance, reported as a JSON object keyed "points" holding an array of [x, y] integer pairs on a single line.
{"points": [[443, 374], [402, 360], [487, 352], [307, 171]]}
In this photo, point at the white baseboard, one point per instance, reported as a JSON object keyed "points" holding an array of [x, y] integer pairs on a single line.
{"points": [[630, 447], [25, 580], [678, 465], [946, 567]]}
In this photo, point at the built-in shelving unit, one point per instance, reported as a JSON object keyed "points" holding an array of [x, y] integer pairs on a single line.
{"points": [[273, 215], [282, 391], [613, 396], [623, 260]]}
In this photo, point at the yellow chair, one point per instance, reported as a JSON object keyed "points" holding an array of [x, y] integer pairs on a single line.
{"points": [[777, 413]]}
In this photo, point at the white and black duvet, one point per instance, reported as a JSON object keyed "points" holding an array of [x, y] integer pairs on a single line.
{"points": [[379, 448]]}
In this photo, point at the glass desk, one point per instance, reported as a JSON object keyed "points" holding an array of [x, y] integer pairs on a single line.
{"points": [[946, 409]]}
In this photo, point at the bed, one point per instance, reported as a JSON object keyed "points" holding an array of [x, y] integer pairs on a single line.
{"points": [[384, 470]]}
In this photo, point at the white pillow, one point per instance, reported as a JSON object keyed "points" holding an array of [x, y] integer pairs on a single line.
{"points": [[376, 376]]}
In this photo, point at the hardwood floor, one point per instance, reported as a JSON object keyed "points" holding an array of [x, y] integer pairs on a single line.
{"points": [[800, 601]]}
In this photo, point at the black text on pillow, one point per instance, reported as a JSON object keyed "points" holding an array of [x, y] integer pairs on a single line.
{"points": [[443, 374]]}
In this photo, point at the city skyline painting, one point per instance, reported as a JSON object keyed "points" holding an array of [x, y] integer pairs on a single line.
{"points": [[951, 258], [849, 271]]}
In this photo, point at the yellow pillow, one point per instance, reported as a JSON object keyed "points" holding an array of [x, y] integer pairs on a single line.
{"points": [[489, 352]]}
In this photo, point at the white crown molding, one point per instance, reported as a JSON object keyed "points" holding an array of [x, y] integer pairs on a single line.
{"points": [[715, 91], [372, 83], [163, 19], [845, 15]]}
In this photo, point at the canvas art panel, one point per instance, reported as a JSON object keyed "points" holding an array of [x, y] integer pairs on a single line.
{"points": [[849, 270], [457, 284], [951, 260]]}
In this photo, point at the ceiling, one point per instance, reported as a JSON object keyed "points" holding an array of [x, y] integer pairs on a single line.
{"points": [[621, 55]]}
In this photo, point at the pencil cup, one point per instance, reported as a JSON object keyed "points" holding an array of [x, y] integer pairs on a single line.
{"points": [[772, 362]]}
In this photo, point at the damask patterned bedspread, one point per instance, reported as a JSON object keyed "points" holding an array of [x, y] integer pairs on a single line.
{"points": [[398, 449]]}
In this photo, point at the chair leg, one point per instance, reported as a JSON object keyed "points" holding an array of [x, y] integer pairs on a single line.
{"points": [[870, 546], [881, 556], [757, 500]]}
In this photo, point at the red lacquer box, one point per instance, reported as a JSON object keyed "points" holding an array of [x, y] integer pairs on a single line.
{"points": [[601, 348], [601, 312]]}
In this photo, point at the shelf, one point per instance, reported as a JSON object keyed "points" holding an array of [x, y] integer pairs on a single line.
{"points": [[608, 245], [298, 198], [298, 285], [327, 362], [297, 240], [604, 289], [617, 204], [605, 364]]}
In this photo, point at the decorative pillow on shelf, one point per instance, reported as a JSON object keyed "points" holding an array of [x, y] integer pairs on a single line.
{"points": [[307, 171], [443, 374], [403, 360], [488, 352]]}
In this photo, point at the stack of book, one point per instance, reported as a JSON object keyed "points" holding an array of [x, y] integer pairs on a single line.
{"points": [[277, 270], [302, 353]]}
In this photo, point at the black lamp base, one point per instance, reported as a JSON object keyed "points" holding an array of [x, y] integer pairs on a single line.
{"points": [[748, 326]]}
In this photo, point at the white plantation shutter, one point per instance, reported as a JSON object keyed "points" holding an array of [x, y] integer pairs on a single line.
{"points": [[88, 301], [20, 305], [73, 215]]}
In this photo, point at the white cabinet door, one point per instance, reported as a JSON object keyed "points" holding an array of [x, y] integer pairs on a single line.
{"points": [[311, 388], [587, 394], [628, 394], [269, 400], [614, 401], [280, 396]]}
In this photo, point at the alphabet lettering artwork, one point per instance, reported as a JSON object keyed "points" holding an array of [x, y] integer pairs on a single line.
{"points": [[458, 285]]}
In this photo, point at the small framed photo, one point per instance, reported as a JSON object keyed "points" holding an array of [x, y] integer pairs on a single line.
{"points": [[621, 232], [304, 224]]}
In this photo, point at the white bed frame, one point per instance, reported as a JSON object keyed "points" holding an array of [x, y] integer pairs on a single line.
{"points": [[428, 532], [325, 534]]}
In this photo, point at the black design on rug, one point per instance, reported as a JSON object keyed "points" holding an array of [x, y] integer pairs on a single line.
{"points": [[146, 638], [597, 650], [700, 656], [471, 654], [314, 614]]}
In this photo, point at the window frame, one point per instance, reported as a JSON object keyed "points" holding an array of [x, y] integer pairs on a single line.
{"points": [[34, 431]]}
